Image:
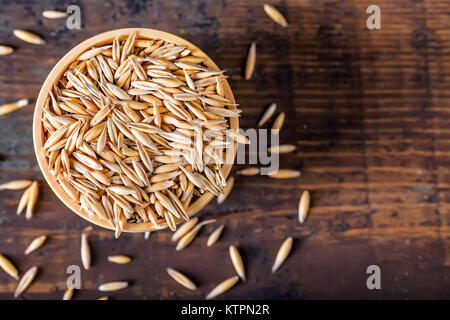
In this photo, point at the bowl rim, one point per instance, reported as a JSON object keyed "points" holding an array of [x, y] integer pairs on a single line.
{"points": [[55, 74]]}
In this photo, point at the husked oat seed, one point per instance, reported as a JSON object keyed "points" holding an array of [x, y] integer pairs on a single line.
{"points": [[238, 264], [8, 267], [28, 36], [15, 185], [267, 114], [25, 281], [282, 148], [5, 50], [54, 14], [119, 259], [282, 254], [85, 249], [303, 206], [10, 107], [251, 61], [181, 279], [275, 15], [251, 171], [113, 286], [215, 235], [68, 294], [278, 122], [284, 174], [35, 244], [222, 287]]}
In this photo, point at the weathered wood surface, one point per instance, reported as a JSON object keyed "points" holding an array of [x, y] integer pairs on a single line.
{"points": [[368, 110]]}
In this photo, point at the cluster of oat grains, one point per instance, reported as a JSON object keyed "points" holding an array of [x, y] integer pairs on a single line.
{"points": [[135, 130]]}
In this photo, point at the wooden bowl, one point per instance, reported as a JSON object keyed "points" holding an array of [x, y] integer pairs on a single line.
{"points": [[56, 73]]}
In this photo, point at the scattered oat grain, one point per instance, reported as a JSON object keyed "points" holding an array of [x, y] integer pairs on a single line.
{"points": [[215, 235], [119, 259], [282, 254], [54, 14], [267, 114], [284, 174], [35, 244], [68, 294], [8, 267], [10, 107], [16, 185], [181, 279], [303, 206], [282, 148], [251, 61], [28, 36], [238, 264], [4, 50], [25, 281], [275, 15], [113, 286], [222, 287], [85, 249], [278, 122], [252, 171]]}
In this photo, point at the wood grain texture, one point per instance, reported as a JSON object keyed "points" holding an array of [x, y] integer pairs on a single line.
{"points": [[368, 111]]}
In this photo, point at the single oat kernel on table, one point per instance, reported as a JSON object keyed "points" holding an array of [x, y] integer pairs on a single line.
{"points": [[35, 244], [54, 14], [275, 15], [226, 190], [8, 267], [85, 249], [251, 61], [303, 206], [236, 259], [103, 298], [215, 235], [28, 36], [120, 259], [267, 114], [282, 254], [16, 185], [32, 199], [4, 50], [10, 107], [222, 287], [25, 281], [282, 148], [113, 286], [181, 279], [284, 174], [278, 122], [252, 171], [68, 294], [142, 124], [23, 201]]}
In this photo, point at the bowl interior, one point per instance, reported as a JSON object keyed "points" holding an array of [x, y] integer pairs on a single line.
{"points": [[56, 73]]}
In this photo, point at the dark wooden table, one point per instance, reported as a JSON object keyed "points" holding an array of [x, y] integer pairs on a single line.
{"points": [[368, 110]]}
